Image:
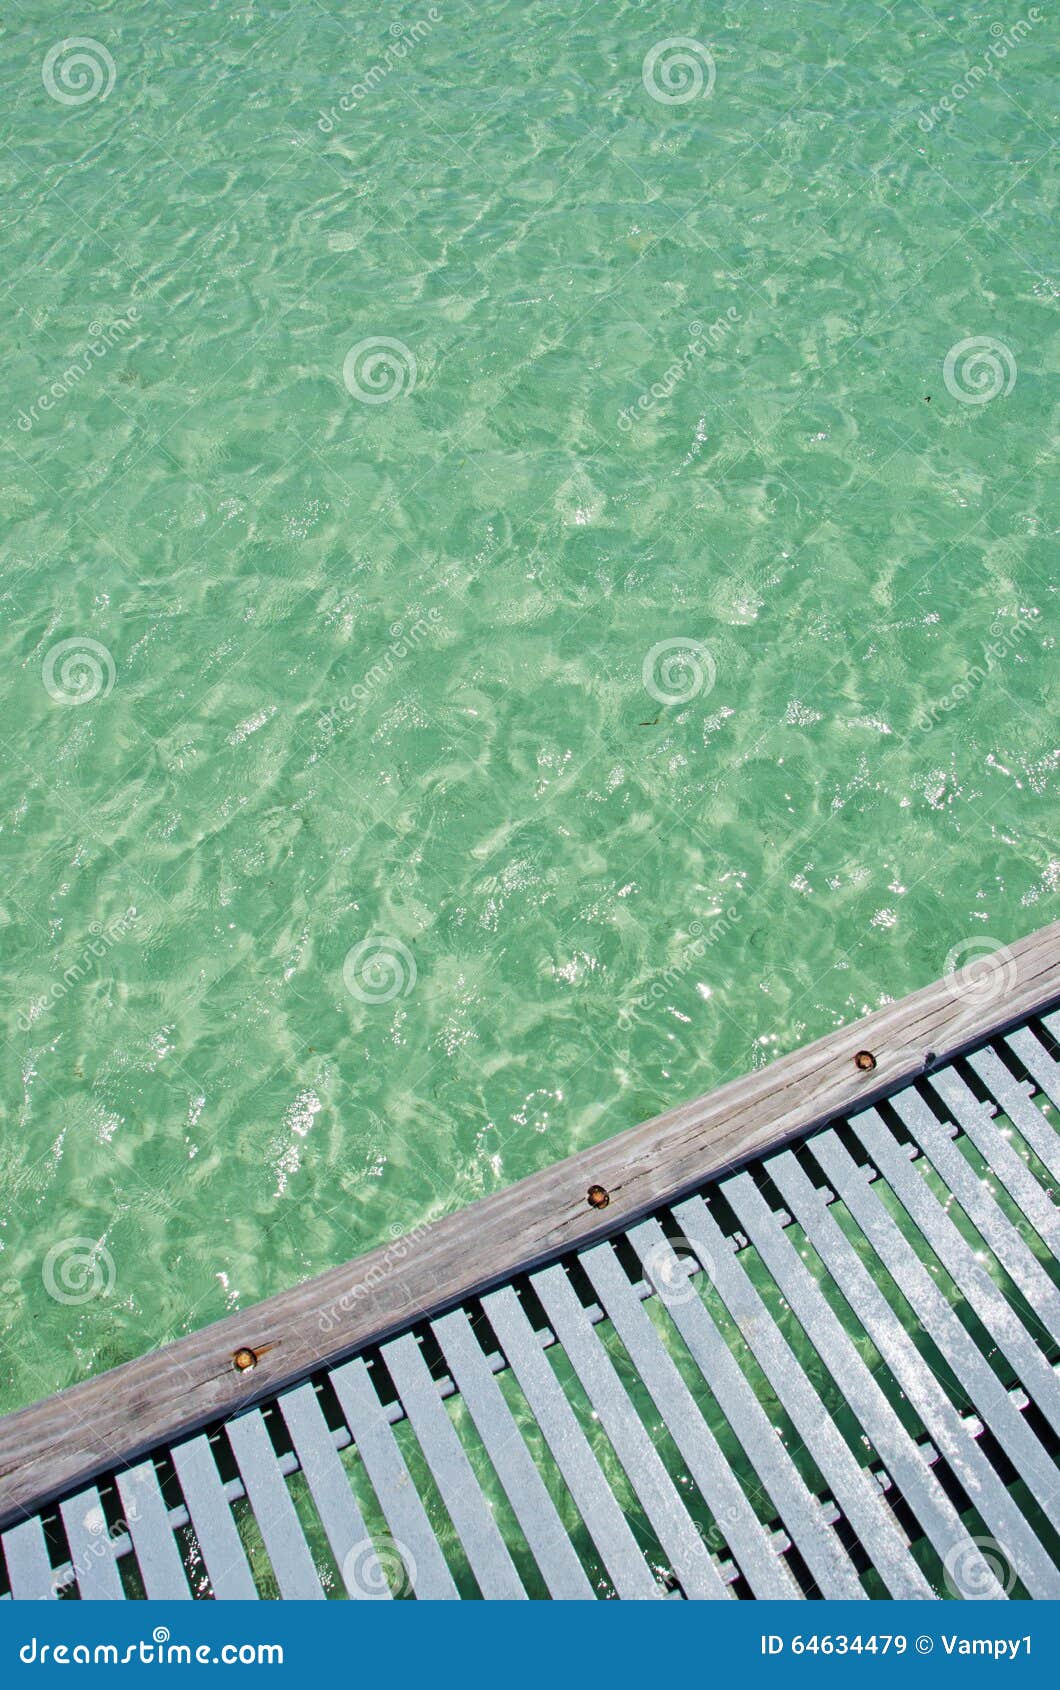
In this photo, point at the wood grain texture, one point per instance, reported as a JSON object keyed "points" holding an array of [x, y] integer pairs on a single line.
{"points": [[117, 1416]]}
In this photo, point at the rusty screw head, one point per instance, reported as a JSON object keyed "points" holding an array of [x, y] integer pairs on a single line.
{"points": [[865, 1061], [244, 1360], [598, 1197]]}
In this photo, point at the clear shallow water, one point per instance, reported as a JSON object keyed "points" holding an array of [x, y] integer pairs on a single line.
{"points": [[368, 671]]}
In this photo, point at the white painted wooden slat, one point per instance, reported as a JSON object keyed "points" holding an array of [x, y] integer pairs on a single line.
{"points": [[147, 1521], [525, 1488], [91, 1548], [273, 1509], [28, 1566], [211, 1518], [330, 1489], [414, 1539]]}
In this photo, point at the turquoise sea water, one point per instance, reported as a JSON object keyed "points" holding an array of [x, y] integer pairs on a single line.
{"points": [[522, 598]]}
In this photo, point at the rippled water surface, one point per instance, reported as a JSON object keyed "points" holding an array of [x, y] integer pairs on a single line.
{"points": [[424, 759]]}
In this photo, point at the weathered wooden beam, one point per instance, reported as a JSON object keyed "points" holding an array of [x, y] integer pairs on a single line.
{"points": [[116, 1417]]}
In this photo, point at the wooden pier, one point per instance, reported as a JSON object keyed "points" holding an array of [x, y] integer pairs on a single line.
{"points": [[799, 1337]]}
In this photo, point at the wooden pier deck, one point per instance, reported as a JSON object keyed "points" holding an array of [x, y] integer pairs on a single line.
{"points": [[799, 1337]]}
